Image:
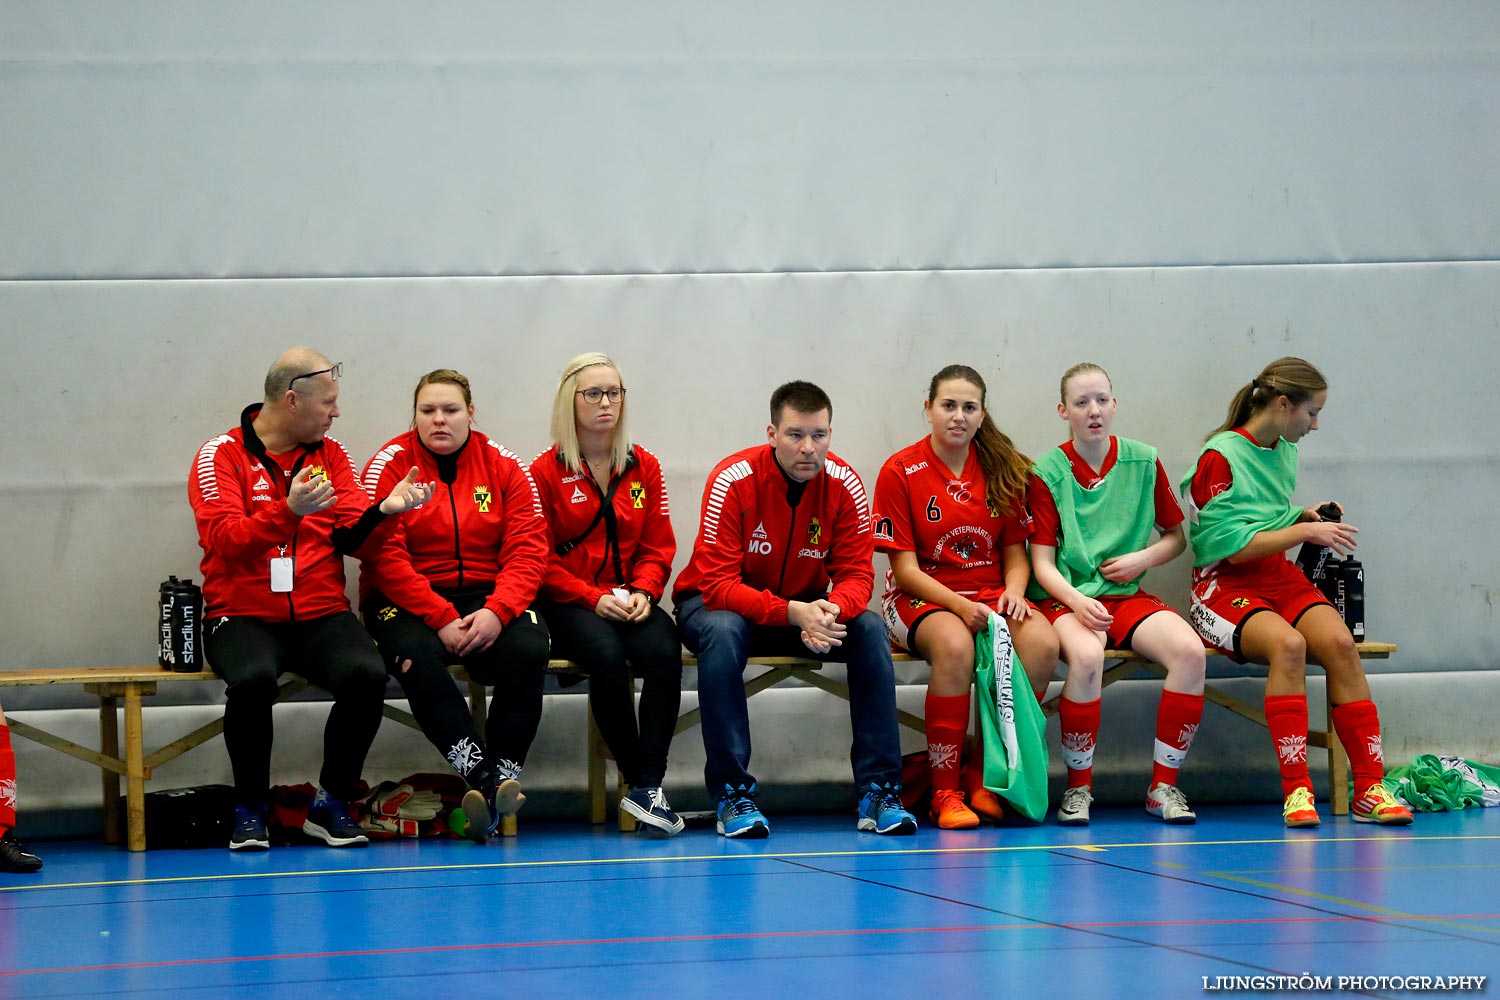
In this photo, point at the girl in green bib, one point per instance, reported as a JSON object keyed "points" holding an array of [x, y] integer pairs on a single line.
{"points": [[1239, 498], [1095, 501]]}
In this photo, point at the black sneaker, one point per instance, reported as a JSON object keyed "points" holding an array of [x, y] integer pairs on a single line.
{"points": [[649, 807], [14, 857], [249, 830], [328, 820], [478, 819], [507, 801]]}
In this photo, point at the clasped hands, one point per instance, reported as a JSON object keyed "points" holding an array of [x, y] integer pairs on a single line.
{"points": [[819, 624]]}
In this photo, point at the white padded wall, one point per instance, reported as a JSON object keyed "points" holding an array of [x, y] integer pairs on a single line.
{"points": [[214, 139], [115, 385]]}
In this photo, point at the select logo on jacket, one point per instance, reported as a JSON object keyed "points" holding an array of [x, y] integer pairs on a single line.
{"points": [[760, 542], [261, 484], [482, 498], [578, 495], [638, 495]]}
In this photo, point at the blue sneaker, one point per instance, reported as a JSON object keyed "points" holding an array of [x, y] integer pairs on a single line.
{"points": [[328, 820], [880, 809], [738, 816], [249, 830]]}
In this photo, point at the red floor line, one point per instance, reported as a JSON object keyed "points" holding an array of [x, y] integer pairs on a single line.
{"points": [[744, 936]]}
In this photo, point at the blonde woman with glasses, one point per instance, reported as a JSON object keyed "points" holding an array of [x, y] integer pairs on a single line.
{"points": [[612, 549]]}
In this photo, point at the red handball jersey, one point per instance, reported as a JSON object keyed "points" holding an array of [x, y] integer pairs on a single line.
{"points": [[1046, 525], [947, 521], [631, 545], [1213, 474]]}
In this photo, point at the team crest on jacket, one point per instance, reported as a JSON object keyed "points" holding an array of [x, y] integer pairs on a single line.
{"points": [[638, 494], [1240, 602], [482, 498], [386, 614], [316, 471], [814, 532], [992, 506], [917, 602]]}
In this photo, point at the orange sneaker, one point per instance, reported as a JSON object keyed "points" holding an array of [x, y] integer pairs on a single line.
{"points": [[1299, 810], [1377, 805], [949, 811], [986, 804]]}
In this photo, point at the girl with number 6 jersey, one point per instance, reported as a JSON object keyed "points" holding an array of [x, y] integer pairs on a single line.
{"points": [[950, 515]]}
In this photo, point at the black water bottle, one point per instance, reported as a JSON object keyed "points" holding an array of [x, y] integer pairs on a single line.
{"points": [[1351, 575], [187, 616], [1313, 559], [166, 601]]}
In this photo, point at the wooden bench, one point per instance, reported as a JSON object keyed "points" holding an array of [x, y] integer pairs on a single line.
{"points": [[118, 687], [112, 686], [115, 686], [1120, 664]]}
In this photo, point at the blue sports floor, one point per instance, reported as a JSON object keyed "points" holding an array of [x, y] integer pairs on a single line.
{"points": [[1127, 907]]}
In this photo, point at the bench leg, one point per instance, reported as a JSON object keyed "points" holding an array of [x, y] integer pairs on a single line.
{"points": [[1338, 770], [109, 746], [594, 743], [477, 708], [135, 771]]}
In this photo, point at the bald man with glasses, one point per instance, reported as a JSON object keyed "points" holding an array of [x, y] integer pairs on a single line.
{"points": [[278, 507]]}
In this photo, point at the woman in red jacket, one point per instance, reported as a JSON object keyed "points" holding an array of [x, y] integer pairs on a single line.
{"points": [[612, 549], [455, 584]]}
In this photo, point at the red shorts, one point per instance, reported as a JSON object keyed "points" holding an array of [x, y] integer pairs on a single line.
{"points": [[902, 611], [1128, 611], [1225, 596]]}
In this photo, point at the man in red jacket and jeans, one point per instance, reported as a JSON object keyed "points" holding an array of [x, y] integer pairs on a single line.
{"points": [[783, 565], [278, 508]]}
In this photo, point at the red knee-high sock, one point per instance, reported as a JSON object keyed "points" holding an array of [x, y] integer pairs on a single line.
{"points": [[1358, 726], [7, 782], [947, 724], [1080, 731], [1177, 720], [1286, 717]]}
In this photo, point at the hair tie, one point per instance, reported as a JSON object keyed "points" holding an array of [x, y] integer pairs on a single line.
{"points": [[1254, 384]]}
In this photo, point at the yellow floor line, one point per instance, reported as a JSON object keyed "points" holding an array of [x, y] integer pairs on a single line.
{"points": [[1351, 903], [877, 853]]}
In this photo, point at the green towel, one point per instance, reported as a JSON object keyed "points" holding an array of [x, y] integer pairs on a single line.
{"points": [[1015, 738], [1437, 784]]}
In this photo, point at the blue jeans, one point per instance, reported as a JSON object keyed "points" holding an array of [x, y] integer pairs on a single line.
{"points": [[723, 640]]}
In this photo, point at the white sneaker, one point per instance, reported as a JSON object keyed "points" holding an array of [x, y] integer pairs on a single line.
{"points": [[1168, 802], [1074, 808]]}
